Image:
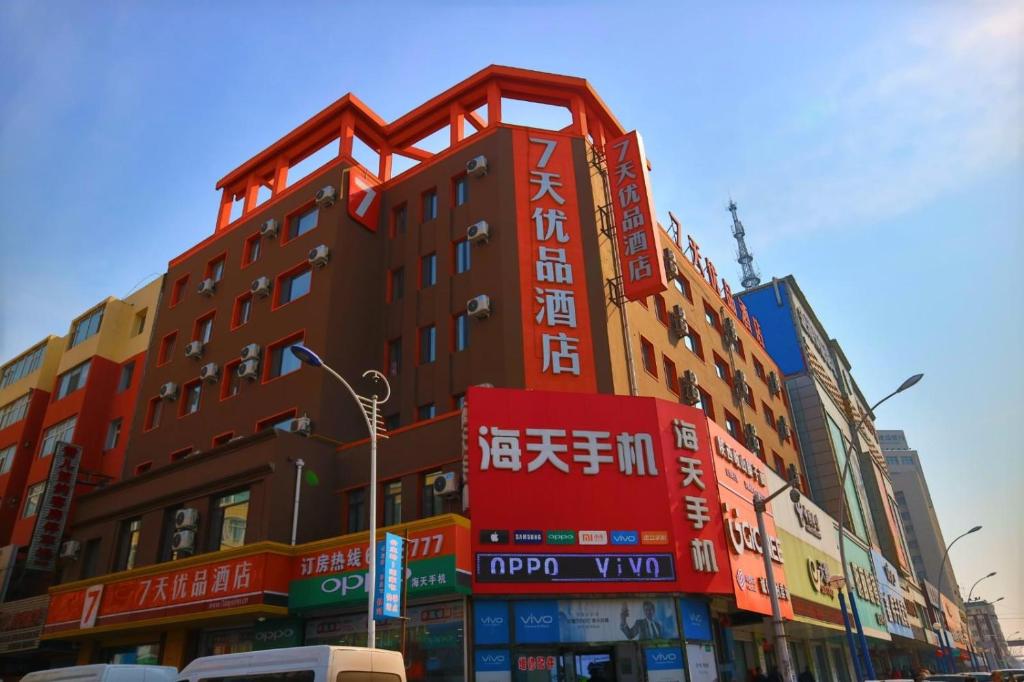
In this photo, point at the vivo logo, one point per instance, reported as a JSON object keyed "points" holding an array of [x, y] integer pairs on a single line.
{"points": [[494, 658], [665, 658], [492, 620], [535, 620], [625, 537]]}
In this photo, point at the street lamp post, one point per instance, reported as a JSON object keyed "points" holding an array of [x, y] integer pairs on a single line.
{"points": [[369, 406], [943, 635], [868, 667], [778, 627], [970, 634]]}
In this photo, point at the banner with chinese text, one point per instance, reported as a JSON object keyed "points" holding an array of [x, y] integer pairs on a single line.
{"points": [[52, 515]]}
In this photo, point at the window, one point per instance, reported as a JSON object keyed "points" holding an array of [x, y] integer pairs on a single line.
{"points": [[203, 329], [278, 421], [251, 250], [178, 290], [393, 361], [113, 434], [242, 311], [302, 223], [461, 335], [396, 285], [692, 342], [749, 397], [778, 465], [706, 404], [72, 380], [392, 503], [227, 527], [428, 270], [91, 558], [166, 349], [460, 190], [128, 544], [357, 520], [392, 421], [222, 439], [739, 348], [14, 411], [63, 431], [7, 457], [660, 310], [282, 360], [139, 323], [33, 496], [722, 369], [759, 370], [153, 413], [230, 382], [429, 205], [458, 401], [427, 411], [399, 220], [191, 395], [671, 376], [769, 416], [647, 351], [180, 454], [215, 269], [143, 467], [86, 327], [712, 317], [462, 256], [683, 287], [732, 425], [124, 382], [22, 367], [428, 344], [433, 504], [293, 285]]}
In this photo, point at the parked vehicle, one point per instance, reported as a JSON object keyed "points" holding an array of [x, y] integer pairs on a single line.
{"points": [[299, 664], [105, 672]]}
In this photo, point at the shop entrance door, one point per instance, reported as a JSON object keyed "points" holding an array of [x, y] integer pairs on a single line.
{"points": [[595, 665]]}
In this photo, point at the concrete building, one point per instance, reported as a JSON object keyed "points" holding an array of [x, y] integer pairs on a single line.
{"points": [[988, 636]]}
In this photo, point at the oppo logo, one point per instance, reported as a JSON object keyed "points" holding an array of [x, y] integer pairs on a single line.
{"points": [[275, 635], [344, 584], [534, 620], [665, 658], [492, 620], [494, 658]]}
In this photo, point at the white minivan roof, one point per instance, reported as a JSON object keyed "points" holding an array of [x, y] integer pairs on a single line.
{"points": [[294, 658], [105, 672]]}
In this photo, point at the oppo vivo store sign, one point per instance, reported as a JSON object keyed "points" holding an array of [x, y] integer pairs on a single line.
{"points": [[557, 568]]}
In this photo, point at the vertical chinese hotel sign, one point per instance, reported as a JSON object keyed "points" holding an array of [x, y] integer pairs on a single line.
{"points": [[639, 244], [556, 317], [54, 508]]}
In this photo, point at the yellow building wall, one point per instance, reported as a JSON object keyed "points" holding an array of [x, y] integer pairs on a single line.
{"points": [[43, 377]]}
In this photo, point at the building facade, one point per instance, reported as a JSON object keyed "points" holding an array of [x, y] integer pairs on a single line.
{"points": [[992, 651]]}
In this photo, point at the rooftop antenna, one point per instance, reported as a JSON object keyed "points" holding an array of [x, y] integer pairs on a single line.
{"points": [[751, 277]]}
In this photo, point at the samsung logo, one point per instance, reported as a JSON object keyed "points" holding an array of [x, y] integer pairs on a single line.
{"points": [[534, 620], [528, 537]]}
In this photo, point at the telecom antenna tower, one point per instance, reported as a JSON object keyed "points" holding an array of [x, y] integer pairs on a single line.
{"points": [[751, 277]]}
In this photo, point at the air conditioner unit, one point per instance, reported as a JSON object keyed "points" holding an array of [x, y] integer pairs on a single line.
{"points": [[677, 322], [319, 256], [750, 431], [250, 369], [479, 231], [326, 197], [209, 372], [477, 166], [69, 549], [302, 426], [728, 333], [269, 228], [207, 287], [193, 349], [260, 286], [671, 264], [783, 427], [183, 541], [691, 396], [251, 352], [186, 518], [479, 306], [773, 383], [446, 485], [169, 391], [739, 384]]}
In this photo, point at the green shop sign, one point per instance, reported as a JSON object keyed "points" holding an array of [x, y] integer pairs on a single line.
{"points": [[425, 578]]}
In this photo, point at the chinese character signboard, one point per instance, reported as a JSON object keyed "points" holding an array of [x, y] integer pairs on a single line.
{"points": [[21, 623], [558, 351], [893, 604], [54, 508], [387, 594], [639, 241]]}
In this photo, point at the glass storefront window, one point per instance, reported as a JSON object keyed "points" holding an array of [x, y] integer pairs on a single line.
{"points": [[141, 654], [234, 641]]}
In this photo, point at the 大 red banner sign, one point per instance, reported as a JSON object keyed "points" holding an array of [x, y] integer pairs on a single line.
{"points": [[639, 241], [52, 514]]}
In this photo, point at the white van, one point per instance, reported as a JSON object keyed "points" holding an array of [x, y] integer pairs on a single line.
{"points": [[105, 672], [299, 664]]}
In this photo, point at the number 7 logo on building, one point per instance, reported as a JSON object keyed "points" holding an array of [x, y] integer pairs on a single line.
{"points": [[91, 606]]}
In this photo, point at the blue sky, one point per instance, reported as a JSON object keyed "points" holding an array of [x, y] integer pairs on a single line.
{"points": [[874, 149]]}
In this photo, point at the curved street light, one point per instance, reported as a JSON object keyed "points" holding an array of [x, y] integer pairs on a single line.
{"points": [[868, 666], [971, 593], [369, 407], [947, 648]]}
